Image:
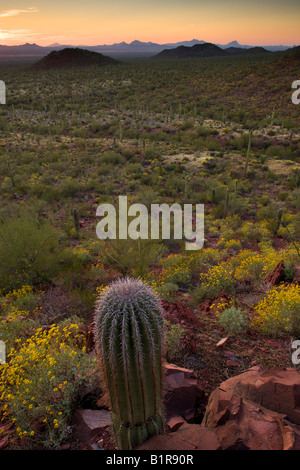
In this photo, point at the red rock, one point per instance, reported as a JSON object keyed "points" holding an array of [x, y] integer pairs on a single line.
{"points": [[231, 363], [297, 275], [180, 312], [175, 423], [241, 424], [182, 392], [188, 437], [276, 276], [211, 305], [89, 423], [228, 353], [275, 389], [4, 442], [257, 410], [222, 342], [273, 344], [65, 447]]}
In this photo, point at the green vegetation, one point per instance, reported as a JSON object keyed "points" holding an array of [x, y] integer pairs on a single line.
{"points": [[219, 131]]}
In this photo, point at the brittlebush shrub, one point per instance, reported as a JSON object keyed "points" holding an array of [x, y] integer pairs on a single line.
{"points": [[40, 381], [278, 313]]}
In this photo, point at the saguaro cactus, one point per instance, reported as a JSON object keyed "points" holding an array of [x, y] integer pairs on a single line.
{"points": [[129, 333], [76, 220]]}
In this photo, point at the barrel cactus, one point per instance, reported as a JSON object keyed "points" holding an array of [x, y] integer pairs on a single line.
{"points": [[129, 334]]}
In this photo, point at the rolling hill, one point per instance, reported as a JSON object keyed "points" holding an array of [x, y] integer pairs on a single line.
{"points": [[72, 57]]}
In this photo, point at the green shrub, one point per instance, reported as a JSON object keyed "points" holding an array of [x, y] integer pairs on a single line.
{"points": [[233, 320], [30, 252], [174, 336]]}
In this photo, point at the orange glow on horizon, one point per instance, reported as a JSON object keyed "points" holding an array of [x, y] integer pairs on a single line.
{"points": [[106, 25]]}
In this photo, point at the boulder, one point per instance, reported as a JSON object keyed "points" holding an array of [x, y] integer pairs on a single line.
{"points": [[256, 410], [175, 422], [188, 437], [88, 424], [296, 279], [277, 389], [182, 392], [276, 276], [241, 424]]}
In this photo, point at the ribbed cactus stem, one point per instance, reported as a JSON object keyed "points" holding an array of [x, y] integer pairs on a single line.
{"points": [[226, 204], [213, 195], [278, 221], [76, 220], [129, 333]]}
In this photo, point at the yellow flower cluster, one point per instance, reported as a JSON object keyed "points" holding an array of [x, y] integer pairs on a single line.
{"points": [[256, 266], [219, 277], [13, 313], [175, 269], [279, 311], [19, 293], [39, 377]]}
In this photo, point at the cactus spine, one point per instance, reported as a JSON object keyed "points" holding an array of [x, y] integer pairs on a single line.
{"points": [[129, 333]]}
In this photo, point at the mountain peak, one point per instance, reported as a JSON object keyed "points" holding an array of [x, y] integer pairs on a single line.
{"points": [[234, 44]]}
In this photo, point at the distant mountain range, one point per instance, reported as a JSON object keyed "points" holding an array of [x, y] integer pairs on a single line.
{"points": [[122, 49], [206, 50]]}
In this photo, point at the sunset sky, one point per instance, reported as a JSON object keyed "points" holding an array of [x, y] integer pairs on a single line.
{"points": [[94, 22]]}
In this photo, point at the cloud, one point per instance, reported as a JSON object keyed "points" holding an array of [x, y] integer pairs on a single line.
{"points": [[8, 13], [16, 34]]}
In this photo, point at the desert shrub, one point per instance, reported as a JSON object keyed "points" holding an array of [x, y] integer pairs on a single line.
{"points": [[132, 257], [166, 290], [23, 298], [231, 244], [29, 252], [40, 382], [218, 278], [233, 320], [251, 231], [174, 336], [278, 313], [70, 188], [112, 158], [175, 270], [268, 216]]}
